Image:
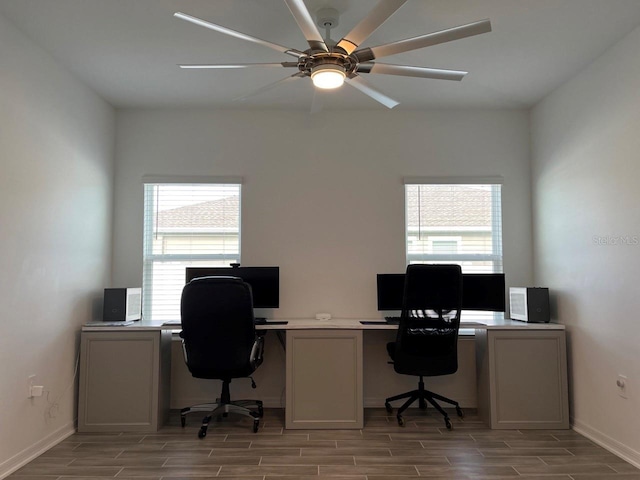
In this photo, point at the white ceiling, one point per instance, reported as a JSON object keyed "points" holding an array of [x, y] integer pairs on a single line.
{"points": [[128, 50]]}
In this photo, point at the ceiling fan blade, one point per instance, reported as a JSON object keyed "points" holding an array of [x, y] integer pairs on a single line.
{"points": [[410, 71], [358, 83], [229, 66], [242, 36], [376, 17], [270, 86], [443, 36], [305, 22]]}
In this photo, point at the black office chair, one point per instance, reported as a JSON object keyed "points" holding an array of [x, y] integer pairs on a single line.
{"points": [[427, 340], [219, 341]]}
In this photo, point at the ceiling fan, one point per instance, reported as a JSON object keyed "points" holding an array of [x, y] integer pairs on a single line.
{"points": [[330, 63]]}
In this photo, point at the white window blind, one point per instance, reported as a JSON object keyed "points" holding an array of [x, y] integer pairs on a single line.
{"points": [[455, 223], [185, 224]]}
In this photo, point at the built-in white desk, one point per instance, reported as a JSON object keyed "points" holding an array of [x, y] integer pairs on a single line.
{"points": [[521, 374]]}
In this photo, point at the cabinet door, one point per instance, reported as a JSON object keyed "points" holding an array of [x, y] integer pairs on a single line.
{"points": [[324, 379], [121, 381], [523, 375]]}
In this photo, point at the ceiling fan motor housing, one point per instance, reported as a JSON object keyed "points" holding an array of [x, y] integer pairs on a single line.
{"points": [[324, 60]]}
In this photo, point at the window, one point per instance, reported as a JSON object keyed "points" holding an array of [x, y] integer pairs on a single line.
{"points": [[185, 224], [455, 223]]}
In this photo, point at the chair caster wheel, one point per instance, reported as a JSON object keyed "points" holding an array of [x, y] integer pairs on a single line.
{"points": [[448, 424], [256, 424], [401, 421], [260, 411], [202, 432], [460, 412], [388, 406], [423, 405], [183, 421]]}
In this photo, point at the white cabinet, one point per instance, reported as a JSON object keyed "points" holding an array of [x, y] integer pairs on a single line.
{"points": [[124, 381], [324, 379], [522, 378]]}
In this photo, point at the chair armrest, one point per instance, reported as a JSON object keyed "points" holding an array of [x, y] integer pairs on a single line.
{"points": [[257, 350], [184, 351]]}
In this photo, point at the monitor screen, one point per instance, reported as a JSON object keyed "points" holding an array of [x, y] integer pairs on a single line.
{"points": [[480, 291], [483, 291], [264, 281], [390, 291]]}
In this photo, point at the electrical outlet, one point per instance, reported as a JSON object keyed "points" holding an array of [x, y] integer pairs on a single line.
{"points": [[622, 384], [37, 390]]}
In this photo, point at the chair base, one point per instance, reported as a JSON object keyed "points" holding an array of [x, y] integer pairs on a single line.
{"points": [[222, 407], [423, 396]]}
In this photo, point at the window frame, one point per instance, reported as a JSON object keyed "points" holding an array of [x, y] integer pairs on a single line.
{"points": [[151, 259], [496, 256]]}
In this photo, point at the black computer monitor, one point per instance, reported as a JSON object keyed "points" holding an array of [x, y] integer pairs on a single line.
{"points": [[264, 281], [480, 291], [390, 291], [483, 291]]}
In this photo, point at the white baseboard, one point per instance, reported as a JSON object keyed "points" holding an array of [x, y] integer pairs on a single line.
{"points": [[22, 458], [615, 447]]}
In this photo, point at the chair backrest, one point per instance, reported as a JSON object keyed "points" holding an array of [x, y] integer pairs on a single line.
{"points": [[427, 338], [218, 327]]}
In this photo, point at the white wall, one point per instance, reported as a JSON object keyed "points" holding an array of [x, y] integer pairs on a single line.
{"points": [[585, 144], [56, 175], [323, 197]]}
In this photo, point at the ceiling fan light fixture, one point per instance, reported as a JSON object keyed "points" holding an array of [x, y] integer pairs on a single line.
{"points": [[328, 76]]}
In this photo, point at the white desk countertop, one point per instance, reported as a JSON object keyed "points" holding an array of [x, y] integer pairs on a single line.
{"points": [[339, 323]]}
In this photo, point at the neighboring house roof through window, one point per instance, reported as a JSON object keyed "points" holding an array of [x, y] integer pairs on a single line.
{"points": [[444, 206], [215, 215]]}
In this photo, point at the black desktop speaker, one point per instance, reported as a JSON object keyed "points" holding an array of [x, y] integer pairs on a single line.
{"points": [[529, 304], [121, 304]]}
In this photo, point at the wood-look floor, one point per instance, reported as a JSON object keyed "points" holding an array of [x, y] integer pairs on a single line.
{"points": [[381, 451]]}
